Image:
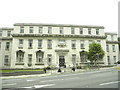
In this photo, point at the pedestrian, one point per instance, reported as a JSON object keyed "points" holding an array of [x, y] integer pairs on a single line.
{"points": [[45, 70], [59, 70]]}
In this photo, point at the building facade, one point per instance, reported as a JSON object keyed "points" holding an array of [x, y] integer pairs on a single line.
{"points": [[34, 45]]}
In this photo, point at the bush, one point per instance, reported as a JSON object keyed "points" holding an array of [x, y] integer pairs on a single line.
{"points": [[79, 67]]}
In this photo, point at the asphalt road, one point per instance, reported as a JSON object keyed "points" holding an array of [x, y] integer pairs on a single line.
{"points": [[107, 78]]}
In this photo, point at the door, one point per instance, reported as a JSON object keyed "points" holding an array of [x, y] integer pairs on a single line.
{"points": [[61, 61]]}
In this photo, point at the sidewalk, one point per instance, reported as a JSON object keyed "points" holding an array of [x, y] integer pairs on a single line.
{"points": [[53, 72]]}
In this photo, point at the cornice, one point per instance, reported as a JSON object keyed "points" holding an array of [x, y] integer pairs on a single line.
{"points": [[57, 25], [58, 35], [112, 42], [6, 28], [6, 38]]}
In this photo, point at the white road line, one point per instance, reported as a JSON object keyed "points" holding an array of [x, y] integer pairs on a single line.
{"points": [[9, 84], [29, 80], [25, 87], [40, 86], [109, 83]]}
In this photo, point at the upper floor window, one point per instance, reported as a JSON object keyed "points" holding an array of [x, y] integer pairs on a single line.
{"points": [[39, 43], [72, 31], [73, 44], [30, 43], [97, 31], [82, 44], [7, 46], [49, 30], [81, 30], [31, 30], [107, 48], [49, 44], [98, 41], [49, 57], [8, 33], [113, 48], [20, 43], [21, 29], [40, 30], [90, 41], [6, 60], [62, 41], [112, 38], [61, 30], [89, 30], [0, 33]]}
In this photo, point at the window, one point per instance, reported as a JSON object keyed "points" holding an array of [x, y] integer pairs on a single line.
{"points": [[40, 30], [98, 41], [29, 58], [6, 61], [82, 43], [8, 33], [31, 30], [21, 43], [7, 46], [20, 56], [89, 30], [30, 43], [81, 30], [97, 31], [21, 29], [107, 48], [61, 30], [112, 39], [0, 33], [49, 57], [114, 58], [72, 31], [0, 45], [61, 42], [113, 48], [49, 45], [108, 58], [39, 56], [73, 44], [39, 43], [49, 30], [74, 59]]}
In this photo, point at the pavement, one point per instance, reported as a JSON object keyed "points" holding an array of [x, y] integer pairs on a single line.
{"points": [[54, 72]]}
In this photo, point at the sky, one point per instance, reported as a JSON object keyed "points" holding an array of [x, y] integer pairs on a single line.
{"points": [[78, 12]]}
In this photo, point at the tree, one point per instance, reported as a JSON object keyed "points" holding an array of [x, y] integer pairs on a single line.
{"points": [[95, 52]]}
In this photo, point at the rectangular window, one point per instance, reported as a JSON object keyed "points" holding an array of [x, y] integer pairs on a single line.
{"points": [[6, 60], [72, 31], [49, 30], [108, 58], [73, 44], [29, 58], [89, 30], [7, 46], [97, 31], [81, 30], [40, 30], [114, 58], [61, 30], [0, 45], [0, 33], [21, 29], [39, 43], [113, 48], [49, 45], [82, 44], [30, 43], [31, 30], [61, 42], [8, 33], [90, 41], [21, 43], [49, 61], [107, 48], [112, 39], [74, 59]]}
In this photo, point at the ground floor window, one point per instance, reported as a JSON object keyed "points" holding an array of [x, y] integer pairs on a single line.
{"points": [[20, 56], [74, 59], [39, 57], [49, 59], [108, 58], [6, 60]]}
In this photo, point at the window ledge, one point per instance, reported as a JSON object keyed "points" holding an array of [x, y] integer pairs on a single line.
{"points": [[19, 63], [39, 64], [29, 47]]}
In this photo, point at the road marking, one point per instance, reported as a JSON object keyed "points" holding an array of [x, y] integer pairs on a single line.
{"points": [[109, 83], [9, 84], [40, 86], [26, 87], [30, 80]]}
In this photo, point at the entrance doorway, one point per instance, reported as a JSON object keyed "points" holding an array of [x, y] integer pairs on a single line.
{"points": [[61, 61]]}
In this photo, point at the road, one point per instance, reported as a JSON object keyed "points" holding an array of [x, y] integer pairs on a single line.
{"points": [[107, 78]]}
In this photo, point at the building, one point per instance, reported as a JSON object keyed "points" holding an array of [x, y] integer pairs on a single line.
{"points": [[34, 45]]}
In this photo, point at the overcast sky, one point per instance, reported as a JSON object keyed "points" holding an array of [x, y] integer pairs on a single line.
{"points": [[80, 12]]}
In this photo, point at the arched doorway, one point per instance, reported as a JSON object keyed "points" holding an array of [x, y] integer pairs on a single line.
{"points": [[61, 61]]}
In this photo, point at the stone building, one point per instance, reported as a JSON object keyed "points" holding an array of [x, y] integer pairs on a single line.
{"points": [[35, 45]]}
